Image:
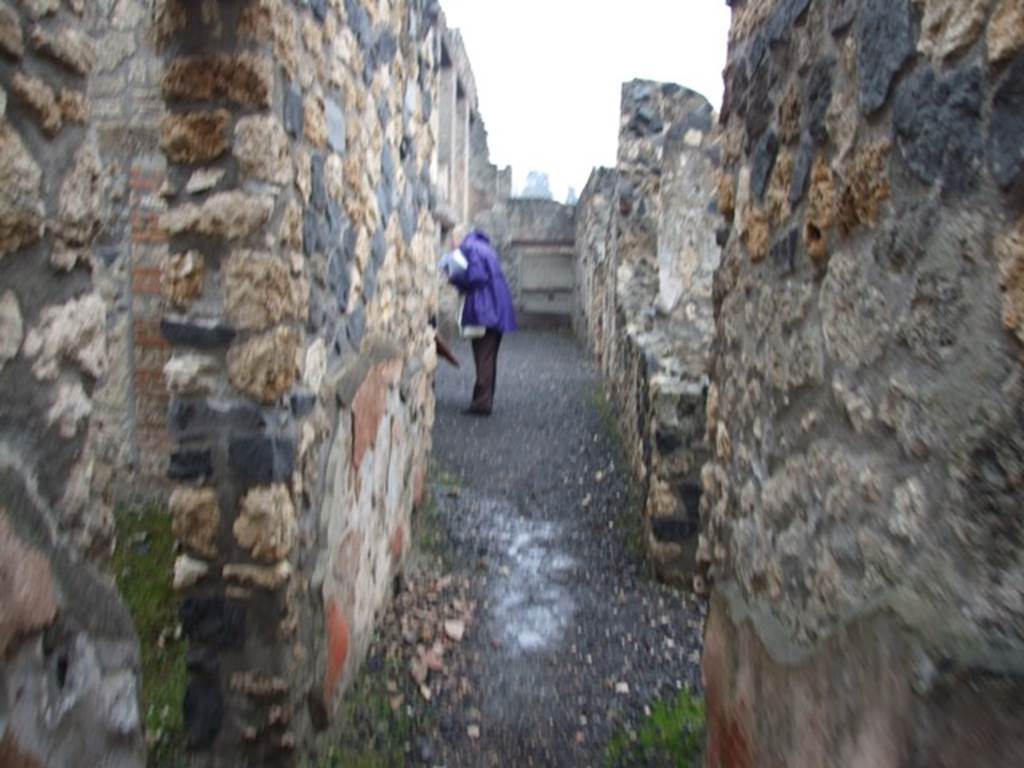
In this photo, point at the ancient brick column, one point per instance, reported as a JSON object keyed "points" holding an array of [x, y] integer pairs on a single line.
{"points": [[297, 293], [69, 661], [863, 505]]}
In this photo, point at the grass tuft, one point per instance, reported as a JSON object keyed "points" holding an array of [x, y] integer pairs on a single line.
{"points": [[142, 567], [671, 737]]}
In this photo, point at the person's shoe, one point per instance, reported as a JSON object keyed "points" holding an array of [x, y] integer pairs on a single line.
{"points": [[474, 410]]}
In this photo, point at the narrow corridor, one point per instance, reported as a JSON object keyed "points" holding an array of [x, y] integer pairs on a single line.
{"points": [[573, 637]]}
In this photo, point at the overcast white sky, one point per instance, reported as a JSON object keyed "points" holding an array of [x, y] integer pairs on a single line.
{"points": [[549, 72]]}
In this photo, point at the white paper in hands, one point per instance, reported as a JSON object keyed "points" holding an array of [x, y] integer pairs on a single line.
{"points": [[452, 263]]}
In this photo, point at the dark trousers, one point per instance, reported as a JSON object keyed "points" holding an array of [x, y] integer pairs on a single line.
{"points": [[485, 357]]}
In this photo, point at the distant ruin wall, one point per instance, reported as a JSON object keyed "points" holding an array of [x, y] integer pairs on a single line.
{"points": [[69, 657], [863, 515], [297, 293], [535, 239], [646, 253]]}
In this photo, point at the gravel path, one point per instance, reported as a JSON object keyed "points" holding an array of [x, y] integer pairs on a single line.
{"points": [[571, 638]]}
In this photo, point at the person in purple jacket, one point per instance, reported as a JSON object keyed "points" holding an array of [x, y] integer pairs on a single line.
{"points": [[487, 306]]}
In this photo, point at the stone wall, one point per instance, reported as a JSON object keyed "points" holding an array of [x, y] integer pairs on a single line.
{"points": [[646, 253], [69, 680], [863, 504], [297, 298]]}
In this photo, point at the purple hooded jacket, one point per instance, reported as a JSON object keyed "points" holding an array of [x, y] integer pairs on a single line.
{"points": [[488, 299]]}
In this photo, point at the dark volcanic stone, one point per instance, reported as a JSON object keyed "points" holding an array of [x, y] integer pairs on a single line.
{"points": [[667, 442], [203, 711], [937, 124], [819, 95], [646, 122], [190, 464], [763, 163], [359, 22], [338, 277], [356, 329], [841, 14], [384, 50], [784, 251], [318, 196], [885, 41], [190, 418], [197, 332], [261, 459], [1006, 139], [785, 16], [302, 403], [213, 621], [801, 173], [336, 131], [759, 107], [294, 117], [690, 493], [674, 530]]}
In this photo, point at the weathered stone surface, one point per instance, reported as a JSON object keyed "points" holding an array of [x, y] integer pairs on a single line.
{"points": [[258, 686], [763, 162], [266, 366], [266, 524], [368, 409], [72, 332], [315, 120], [37, 9], [885, 40], [245, 79], [1006, 140], [726, 194], [757, 234], [818, 98], [1006, 30], [337, 642], [820, 212], [70, 406], [789, 115], [188, 571], [11, 328], [196, 519], [949, 26], [41, 101], [1010, 253], [28, 601], [11, 36], [335, 126], [190, 374], [272, 21], [68, 46], [262, 149], [195, 137], [21, 210], [841, 15], [260, 290], [203, 180], [73, 106], [865, 188], [230, 215], [183, 277], [259, 576], [78, 219], [937, 124]]}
